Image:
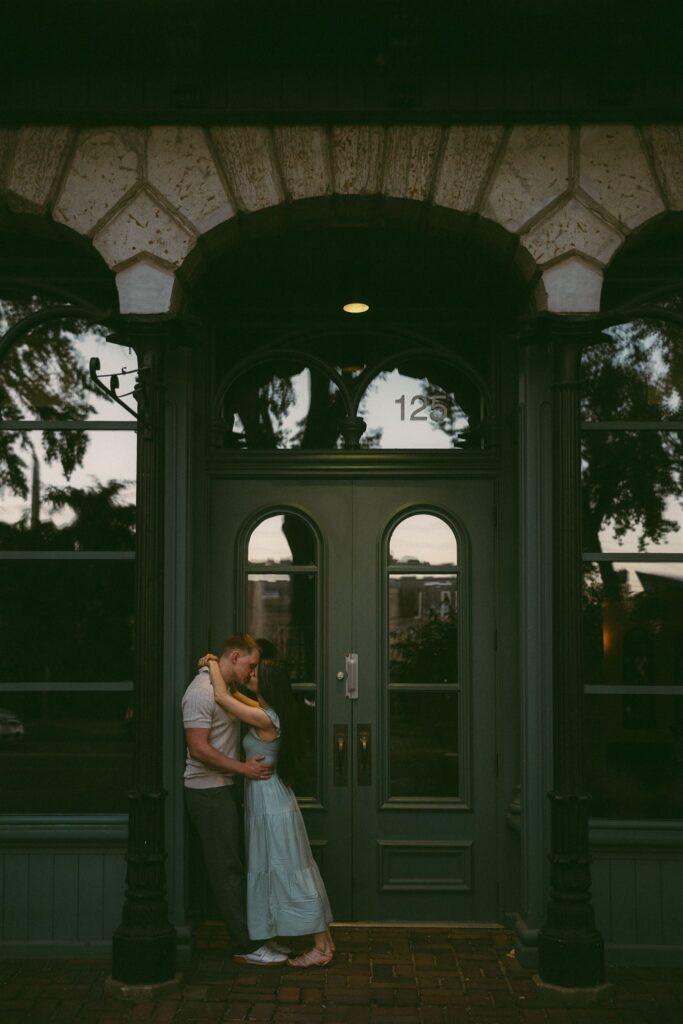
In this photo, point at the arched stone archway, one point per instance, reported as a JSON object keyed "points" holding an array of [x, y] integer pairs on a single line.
{"points": [[146, 196]]}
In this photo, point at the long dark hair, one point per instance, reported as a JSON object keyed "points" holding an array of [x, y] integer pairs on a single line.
{"points": [[275, 688]]}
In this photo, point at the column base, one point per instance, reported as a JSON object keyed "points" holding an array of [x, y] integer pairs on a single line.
{"points": [[143, 959], [591, 996], [142, 993], [571, 961]]}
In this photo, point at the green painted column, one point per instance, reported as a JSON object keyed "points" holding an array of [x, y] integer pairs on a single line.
{"points": [[570, 948], [143, 951]]}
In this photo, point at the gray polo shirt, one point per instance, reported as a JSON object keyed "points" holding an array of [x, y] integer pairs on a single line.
{"points": [[200, 711]]}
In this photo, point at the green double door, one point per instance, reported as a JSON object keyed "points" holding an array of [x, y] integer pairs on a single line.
{"points": [[379, 593]]}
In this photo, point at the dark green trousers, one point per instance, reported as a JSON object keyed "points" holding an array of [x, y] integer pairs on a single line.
{"points": [[215, 815]]}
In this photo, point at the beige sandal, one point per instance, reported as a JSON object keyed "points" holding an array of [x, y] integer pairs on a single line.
{"points": [[313, 958]]}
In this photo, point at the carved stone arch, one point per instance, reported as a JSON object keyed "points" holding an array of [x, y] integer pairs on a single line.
{"points": [[149, 197]]}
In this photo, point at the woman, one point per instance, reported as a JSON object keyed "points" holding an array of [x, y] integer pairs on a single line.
{"points": [[285, 893]]}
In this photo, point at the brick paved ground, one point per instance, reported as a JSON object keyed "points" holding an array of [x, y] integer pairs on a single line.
{"points": [[380, 975]]}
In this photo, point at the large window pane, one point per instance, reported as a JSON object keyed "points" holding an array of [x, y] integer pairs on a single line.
{"points": [[66, 621], [423, 539], [282, 540], [637, 375], [634, 755], [632, 490], [423, 628], [423, 744], [65, 753], [282, 608], [75, 491], [633, 623]]}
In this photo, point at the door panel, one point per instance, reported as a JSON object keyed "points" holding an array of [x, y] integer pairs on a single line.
{"points": [[403, 818]]}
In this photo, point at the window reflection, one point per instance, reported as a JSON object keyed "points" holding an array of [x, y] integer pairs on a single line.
{"points": [[284, 539], [423, 629], [423, 754], [69, 621], [420, 407], [632, 490], [65, 752], [425, 540], [636, 376], [282, 405], [634, 755], [92, 507], [46, 376], [282, 607], [633, 624]]}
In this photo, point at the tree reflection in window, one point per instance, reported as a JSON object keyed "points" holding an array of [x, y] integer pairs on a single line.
{"points": [[416, 403], [282, 405], [45, 377]]}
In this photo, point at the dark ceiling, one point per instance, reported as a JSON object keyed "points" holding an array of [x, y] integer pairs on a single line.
{"points": [[308, 60]]}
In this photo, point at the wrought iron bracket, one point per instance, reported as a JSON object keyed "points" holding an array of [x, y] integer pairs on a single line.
{"points": [[111, 389]]}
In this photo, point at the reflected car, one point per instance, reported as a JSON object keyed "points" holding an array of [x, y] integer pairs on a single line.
{"points": [[10, 724]]}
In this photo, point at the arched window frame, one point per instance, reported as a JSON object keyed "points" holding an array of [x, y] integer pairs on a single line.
{"points": [[463, 801]]}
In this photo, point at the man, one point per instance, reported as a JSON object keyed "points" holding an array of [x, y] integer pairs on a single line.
{"points": [[210, 768]]}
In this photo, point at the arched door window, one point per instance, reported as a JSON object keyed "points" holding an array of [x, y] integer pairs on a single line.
{"points": [[424, 596], [282, 578]]}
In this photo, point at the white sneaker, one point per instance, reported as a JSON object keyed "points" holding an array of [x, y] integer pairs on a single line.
{"points": [[277, 947], [264, 956]]}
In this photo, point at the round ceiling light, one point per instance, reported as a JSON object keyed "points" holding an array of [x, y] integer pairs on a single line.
{"points": [[355, 307]]}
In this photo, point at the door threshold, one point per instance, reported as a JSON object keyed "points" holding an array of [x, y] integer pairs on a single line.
{"points": [[488, 925]]}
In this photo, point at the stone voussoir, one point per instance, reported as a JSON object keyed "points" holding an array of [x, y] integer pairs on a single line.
{"points": [[465, 165], [181, 167], [105, 167], [142, 226], [572, 227], [35, 164], [304, 160], [533, 172], [614, 171], [357, 158], [411, 152], [247, 156], [666, 142]]}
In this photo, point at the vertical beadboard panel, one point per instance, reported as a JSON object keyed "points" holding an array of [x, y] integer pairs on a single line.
{"points": [[648, 900], [15, 901], [40, 892], [114, 884], [2, 899], [672, 901], [600, 890], [623, 904], [90, 875], [65, 900]]}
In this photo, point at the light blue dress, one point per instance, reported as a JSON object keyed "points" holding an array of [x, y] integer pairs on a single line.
{"points": [[285, 893]]}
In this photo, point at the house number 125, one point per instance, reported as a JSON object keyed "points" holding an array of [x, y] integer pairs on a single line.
{"points": [[437, 405]]}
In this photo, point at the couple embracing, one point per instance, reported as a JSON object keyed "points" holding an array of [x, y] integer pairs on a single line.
{"points": [[285, 894]]}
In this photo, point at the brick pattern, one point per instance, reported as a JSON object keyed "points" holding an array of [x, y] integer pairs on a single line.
{"points": [[379, 976]]}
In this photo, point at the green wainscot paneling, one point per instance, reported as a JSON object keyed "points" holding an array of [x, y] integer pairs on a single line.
{"points": [[637, 877], [61, 884]]}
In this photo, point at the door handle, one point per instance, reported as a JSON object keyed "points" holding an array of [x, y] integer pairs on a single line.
{"points": [[364, 750], [340, 771], [352, 676]]}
